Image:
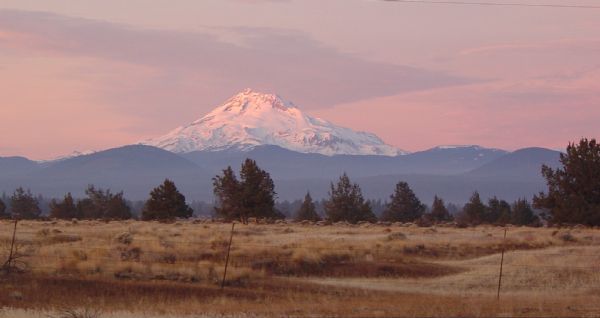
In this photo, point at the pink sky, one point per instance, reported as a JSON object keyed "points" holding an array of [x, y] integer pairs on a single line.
{"points": [[98, 74]]}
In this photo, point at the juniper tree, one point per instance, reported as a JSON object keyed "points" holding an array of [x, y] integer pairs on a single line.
{"points": [[497, 212], [117, 207], [103, 204], [574, 189], [404, 205], [252, 196], [257, 191], [227, 191], [473, 212], [307, 210], [439, 212], [24, 205], [166, 203], [67, 209], [346, 203], [523, 214], [87, 210]]}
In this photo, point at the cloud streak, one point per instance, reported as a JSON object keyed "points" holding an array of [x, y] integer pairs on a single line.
{"points": [[500, 4], [287, 62]]}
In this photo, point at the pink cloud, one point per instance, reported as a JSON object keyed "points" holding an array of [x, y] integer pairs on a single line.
{"points": [[47, 113], [284, 61]]}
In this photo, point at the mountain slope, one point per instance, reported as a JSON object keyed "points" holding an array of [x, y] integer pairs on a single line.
{"points": [[133, 169], [251, 119], [451, 172], [119, 161], [523, 163], [10, 166], [286, 164], [452, 159]]}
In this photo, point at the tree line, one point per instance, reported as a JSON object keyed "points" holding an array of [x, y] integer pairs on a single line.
{"points": [[165, 203], [573, 197], [347, 204], [253, 196]]}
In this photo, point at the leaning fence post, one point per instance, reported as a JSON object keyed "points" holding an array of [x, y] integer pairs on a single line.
{"points": [[501, 264], [227, 259], [8, 263]]}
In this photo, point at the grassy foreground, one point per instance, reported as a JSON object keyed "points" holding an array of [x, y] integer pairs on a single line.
{"points": [[149, 269]]}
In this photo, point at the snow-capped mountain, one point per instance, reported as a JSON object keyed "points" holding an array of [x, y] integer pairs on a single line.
{"points": [[250, 119]]}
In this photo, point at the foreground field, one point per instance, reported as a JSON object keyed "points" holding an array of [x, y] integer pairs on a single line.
{"points": [[139, 269]]}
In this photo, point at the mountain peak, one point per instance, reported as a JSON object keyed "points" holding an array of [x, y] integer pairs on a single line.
{"points": [[250, 119], [251, 100]]}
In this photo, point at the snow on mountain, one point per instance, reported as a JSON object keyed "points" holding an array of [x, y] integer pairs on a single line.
{"points": [[457, 147], [251, 119], [74, 154], [474, 151]]}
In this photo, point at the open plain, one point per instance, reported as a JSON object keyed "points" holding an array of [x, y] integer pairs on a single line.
{"points": [[151, 269]]}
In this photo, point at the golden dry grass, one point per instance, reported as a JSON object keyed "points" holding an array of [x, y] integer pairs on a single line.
{"points": [[150, 268]]}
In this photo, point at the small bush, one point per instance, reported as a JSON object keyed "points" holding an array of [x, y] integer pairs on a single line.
{"points": [[168, 258], [567, 237], [73, 313], [396, 236], [125, 238], [218, 243], [63, 238], [131, 254], [80, 255]]}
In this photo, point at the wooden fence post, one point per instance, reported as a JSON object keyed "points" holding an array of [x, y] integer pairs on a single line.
{"points": [[501, 264], [8, 264], [227, 259]]}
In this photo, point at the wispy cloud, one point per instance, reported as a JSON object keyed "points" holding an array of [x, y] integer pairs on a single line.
{"points": [[563, 43], [284, 61]]}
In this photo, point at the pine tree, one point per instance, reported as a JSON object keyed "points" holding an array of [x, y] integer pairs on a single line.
{"points": [[307, 210], [346, 203], [65, 209], [117, 208], [102, 204], [227, 191], [574, 189], [523, 214], [252, 196], [87, 210], [24, 205], [94, 206], [439, 212], [257, 191], [166, 203], [497, 212], [404, 205], [473, 212]]}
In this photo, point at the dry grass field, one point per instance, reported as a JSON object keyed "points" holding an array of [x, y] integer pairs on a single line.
{"points": [[150, 269]]}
